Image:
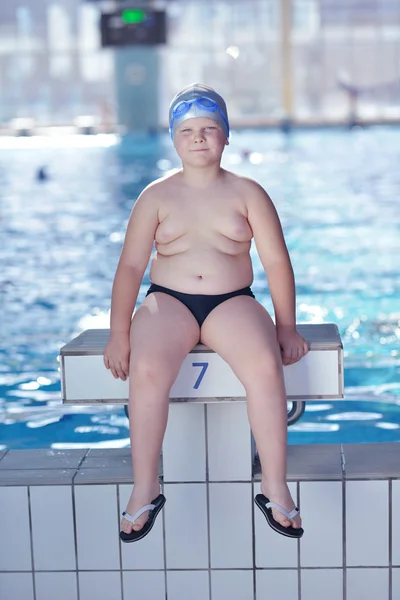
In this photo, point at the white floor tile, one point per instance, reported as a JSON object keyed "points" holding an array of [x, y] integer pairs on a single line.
{"points": [[186, 530], [235, 585], [15, 555], [231, 525], [367, 538], [188, 585], [52, 528], [396, 523], [149, 553], [97, 527], [100, 586], [321, 511], [368, 584], [277, 585], [229, 442], [395, 583], [322, 583], [272, 549], [184, 447], [16, 586], [60, 586], [144, 585]]}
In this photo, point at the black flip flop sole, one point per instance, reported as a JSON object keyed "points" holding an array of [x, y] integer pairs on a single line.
{"points": [[291, 532], [136, 536]]}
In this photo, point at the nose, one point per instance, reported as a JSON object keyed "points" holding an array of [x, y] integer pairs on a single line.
{"points": [[198, 136]]}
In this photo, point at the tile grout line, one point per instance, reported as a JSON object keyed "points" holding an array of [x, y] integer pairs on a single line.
{"points": [[390, 541], [253, 525], [344, 540], [119, 541], [344, 536], [208, 500], [253, 447], [298, 504], [83, 459], [117, 570], [162, 484], [189, 569], [369, 567], [28, 490], [75, 536], [78, 591]]}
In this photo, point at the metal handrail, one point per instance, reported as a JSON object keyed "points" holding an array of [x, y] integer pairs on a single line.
{"points": [[294, 413]]}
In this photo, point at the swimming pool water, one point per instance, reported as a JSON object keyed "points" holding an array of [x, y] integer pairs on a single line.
{"points": [[337, 193]]}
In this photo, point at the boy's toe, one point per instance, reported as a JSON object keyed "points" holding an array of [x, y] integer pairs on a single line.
{"points": [[296, 522], [280, 518], [126, 527]]}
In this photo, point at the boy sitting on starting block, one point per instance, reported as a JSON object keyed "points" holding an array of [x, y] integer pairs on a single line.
{"points": [[202, 219]]}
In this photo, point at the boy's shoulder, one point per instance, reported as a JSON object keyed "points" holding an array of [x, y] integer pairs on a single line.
{"points": [[161, 183], [246, 184]]}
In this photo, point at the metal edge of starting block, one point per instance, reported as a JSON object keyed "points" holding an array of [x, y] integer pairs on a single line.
{"points": [[79, 347], [82, 345]]}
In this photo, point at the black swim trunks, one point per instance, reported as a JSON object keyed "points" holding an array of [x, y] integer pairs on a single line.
{"points": [[200, 305]]}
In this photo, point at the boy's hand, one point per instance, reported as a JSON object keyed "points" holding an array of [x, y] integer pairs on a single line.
{"points": [[293, 346], [116, 355]]}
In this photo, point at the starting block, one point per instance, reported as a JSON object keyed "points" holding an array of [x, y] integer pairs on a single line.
{"points": [[204, 376]]}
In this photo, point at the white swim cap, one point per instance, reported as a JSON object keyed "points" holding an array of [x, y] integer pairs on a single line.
{"points": [[198, 100]]}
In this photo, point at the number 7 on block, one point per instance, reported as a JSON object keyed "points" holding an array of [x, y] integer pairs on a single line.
{"points": [[204, 367]]}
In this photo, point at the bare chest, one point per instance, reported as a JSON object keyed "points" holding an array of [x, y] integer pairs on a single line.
{"points": [[203, 216]]}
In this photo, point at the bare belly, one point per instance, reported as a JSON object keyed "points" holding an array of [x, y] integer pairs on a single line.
{"points": [[208, 271]]}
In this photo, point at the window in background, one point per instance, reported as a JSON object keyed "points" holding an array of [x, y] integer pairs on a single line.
{"points": [[60, 41], [52, 68], [231, 45], [345, 59]]}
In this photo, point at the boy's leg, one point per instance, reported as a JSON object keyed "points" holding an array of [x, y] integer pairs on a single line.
{"points": [[241, 331], [163, 332]]}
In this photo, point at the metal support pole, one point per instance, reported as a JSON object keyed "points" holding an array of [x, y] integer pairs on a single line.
{"points": [[137, 72]]}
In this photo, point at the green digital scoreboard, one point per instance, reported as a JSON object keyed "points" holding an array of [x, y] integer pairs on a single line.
{"points": [[133, 27]]}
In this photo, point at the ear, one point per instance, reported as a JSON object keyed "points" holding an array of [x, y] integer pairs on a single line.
{"points": [[226, 142]]}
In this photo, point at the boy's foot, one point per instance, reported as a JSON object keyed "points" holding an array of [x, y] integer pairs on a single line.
{"points": [[141, 496], [280, 494]]}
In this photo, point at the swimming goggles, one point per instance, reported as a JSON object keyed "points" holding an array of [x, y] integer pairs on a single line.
{"points": [[202, 103]]}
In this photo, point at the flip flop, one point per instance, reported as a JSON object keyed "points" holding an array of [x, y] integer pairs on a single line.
{"points": [[265, 505], [153, 508]]}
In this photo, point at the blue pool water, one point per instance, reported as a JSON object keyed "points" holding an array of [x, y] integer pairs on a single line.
{"points": [[337, 193]]}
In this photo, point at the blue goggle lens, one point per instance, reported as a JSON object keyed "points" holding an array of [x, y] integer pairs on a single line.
{"points": [[206, 103], [184, 106]]}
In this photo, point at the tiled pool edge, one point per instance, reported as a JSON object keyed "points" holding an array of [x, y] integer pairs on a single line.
{"points": [[54, 501]]}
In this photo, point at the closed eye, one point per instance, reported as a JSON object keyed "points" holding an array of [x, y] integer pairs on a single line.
{"points": [[188, 129]]}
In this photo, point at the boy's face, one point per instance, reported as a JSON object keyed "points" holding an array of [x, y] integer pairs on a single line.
{"points": [[200, 141]]}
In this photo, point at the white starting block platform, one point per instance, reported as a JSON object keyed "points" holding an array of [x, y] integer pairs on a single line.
{"points": [[204, 375]]}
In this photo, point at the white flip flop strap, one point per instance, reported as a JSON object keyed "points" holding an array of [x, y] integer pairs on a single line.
{"points": [[142, 510], [290, 515]]}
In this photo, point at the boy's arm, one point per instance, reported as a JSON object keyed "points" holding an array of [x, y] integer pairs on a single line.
{"points": [[133, 261], [274, 256]]}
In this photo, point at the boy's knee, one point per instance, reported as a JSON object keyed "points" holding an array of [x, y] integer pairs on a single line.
{"points": [[266, 366], [150, 371]]}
